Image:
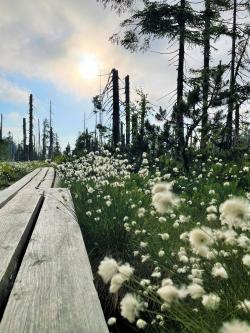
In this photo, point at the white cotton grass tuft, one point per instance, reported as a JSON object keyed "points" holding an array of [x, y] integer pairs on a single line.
{"points": [[111, 321], [235, 212], [211, 301], [245, 306], [163, 198], [219, 271], [162, 187], [141, 323], [211, 217], [107, 269], [163, 202], [235, 326], [211, 209], [125, 272], [195, 291], [246, 260], [168, 293], [131, 307], [200, 240]]}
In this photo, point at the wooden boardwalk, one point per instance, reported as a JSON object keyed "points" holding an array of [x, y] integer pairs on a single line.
{"points": [[46, 282]]}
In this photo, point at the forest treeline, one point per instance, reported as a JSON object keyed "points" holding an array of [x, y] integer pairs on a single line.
{"points": [[209, 104], [40, 146], [209, 111]]}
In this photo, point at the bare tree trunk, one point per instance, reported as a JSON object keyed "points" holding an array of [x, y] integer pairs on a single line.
{"points": [[134, 127], [231, 104], [237, 123], [39, 139], [116, 108], [180, 80], [206, 67], [127, 107], [31, 127], [50, 133], [24, 140], [143, 115]]}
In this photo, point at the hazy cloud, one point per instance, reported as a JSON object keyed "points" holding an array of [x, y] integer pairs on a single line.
{"points": [[12, 93], [14, 117]]}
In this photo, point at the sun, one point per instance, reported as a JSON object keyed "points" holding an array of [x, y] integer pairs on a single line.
{"points": [[89, 67]]}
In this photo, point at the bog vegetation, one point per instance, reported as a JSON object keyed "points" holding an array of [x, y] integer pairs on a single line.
{"points": [[12, 171], [162, 193], [171, 249]]}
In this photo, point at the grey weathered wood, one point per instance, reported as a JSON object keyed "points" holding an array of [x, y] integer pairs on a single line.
{"points": [[11, 191], [54, 290], [48, 182], [36, 181], [16, 221]]}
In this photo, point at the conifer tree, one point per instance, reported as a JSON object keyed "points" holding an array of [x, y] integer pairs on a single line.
{"points": [[174, 21]]}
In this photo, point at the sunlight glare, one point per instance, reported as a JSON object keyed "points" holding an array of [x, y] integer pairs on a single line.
{"points": [[88, 67]]}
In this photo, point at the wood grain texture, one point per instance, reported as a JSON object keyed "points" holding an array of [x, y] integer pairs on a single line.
{"points": [[16, 221], [48, 182], [36, 181], [54, 290], [11, 191]]}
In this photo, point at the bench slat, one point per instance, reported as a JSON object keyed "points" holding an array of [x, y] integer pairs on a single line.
{"points": [[16, 221], [11, 191], [54, 290]]}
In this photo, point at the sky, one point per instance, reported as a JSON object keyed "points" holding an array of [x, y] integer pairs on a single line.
{"points": [[56, 49]]}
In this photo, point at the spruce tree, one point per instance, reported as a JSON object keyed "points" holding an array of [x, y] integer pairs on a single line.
{"points": [[174, 21], [212, 30]]}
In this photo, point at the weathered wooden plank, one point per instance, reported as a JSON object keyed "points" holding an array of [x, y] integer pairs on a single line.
{"points": [[48, 182], [54, 290], [11, 191], [16, 221], [36, 181]]}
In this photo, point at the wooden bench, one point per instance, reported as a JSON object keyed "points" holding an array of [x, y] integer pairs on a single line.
{"points": [[46, 282]]}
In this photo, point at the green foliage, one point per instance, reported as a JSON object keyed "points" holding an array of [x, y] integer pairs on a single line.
{"points": [[109, 217], [12, 171]]}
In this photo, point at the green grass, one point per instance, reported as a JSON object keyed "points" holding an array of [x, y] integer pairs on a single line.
{"points": [[105, 235], [10, 172]]}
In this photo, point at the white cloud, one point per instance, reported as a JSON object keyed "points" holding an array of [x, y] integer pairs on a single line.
{"points": [[46, 40], [14, 117], [11, 92]]}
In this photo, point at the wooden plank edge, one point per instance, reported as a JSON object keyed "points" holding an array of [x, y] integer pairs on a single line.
{"points": [[8, 280], [11, 196]]}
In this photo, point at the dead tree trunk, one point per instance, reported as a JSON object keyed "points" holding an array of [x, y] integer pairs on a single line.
{"points": [[24, 140], [206, 67], [134, 127], [231, 104], [127, 108], [180, 80], [31, 127], [116, 109], [143, 115], [50, 133]]}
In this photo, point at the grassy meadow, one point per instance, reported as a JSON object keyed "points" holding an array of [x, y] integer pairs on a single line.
{"points": [[10, 172], [170, 251]]}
